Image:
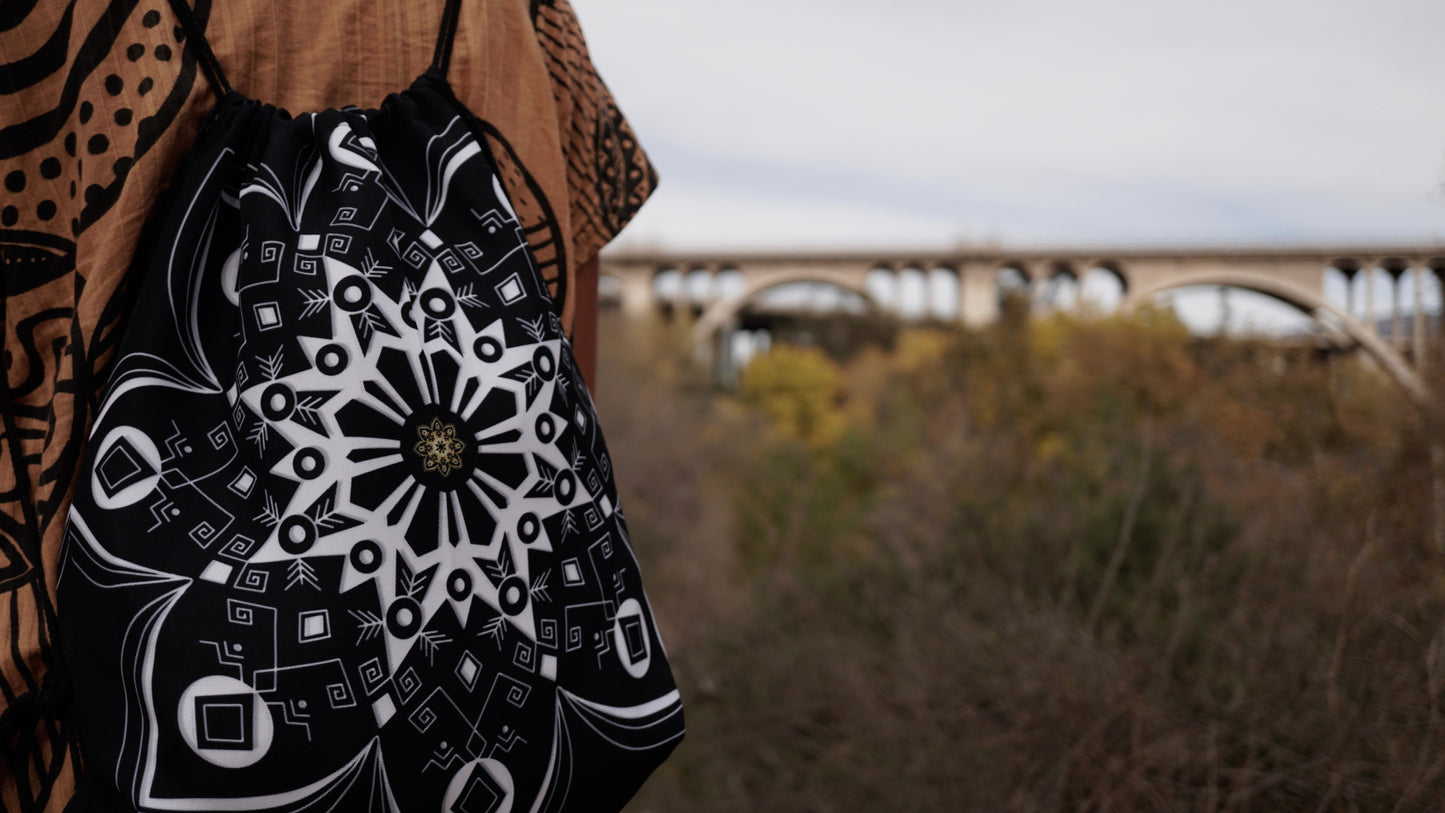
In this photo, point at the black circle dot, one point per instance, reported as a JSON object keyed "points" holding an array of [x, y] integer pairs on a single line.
{"points": [[438, 304], [163, 52], [94, 193], [352, 294], [9, 216], [123, 116], [487, 349], [278, 402], [180, 33], [145, 86], [135, 51], [565, 486], [86, 111], [15, 181], [528, 528], [50, 168], [97, 144], [332, 359], [151, 19], [45, 210], [459, 585], [297, 535], [366, 556], [309, 463], [70, 144], [512, 595], [403, 618], [546, 428], [544, 363], [114, 85]]}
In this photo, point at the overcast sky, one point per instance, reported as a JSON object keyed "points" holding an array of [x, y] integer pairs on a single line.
{"points": [[805, 123]]}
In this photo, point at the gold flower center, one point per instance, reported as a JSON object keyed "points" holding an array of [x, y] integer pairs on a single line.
{"points": [[439, 447]]}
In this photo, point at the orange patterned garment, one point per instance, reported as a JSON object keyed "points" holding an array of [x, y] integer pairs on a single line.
{"points": [[99, 105]]}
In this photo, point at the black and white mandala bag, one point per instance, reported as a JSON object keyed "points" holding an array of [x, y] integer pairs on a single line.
{"points": [[346, 536]]}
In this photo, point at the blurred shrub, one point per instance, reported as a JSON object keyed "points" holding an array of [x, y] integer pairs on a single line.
{"points": [[1051, 565], [798, 388]]}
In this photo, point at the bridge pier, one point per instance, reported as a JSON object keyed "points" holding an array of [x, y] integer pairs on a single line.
{"points": [[1395, 272], [639, 301], [978, 295], [1417, 324], [1371, 324], [724, 364]]}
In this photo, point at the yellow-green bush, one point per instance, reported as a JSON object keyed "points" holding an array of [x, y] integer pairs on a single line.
{"points": [[799, 389], [1052, 565]]}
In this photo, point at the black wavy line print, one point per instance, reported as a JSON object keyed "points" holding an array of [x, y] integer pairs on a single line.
{"points": [[14, 12], [48, 59], [18, 139], [36, 762], [98, 199]]}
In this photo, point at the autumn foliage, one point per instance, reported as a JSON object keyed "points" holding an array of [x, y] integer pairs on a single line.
{"points": [[1053, 565]]}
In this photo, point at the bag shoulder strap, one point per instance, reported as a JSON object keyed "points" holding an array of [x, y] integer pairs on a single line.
{"points": [[206, 58], [196, 41], [443, 55]]}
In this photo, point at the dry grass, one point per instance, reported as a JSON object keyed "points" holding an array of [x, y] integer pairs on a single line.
{"points": [[1061, 567]]}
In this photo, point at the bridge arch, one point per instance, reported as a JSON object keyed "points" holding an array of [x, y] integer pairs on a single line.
{"points": [[723, 311], [1103, 285], [911, 301], [1307, 302], [1058, 287], [697, 286], [667, 286], [945, 285], [1012, 280], [882, 283]]}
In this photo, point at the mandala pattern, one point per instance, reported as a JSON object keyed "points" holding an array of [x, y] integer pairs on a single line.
{"points": [[347, 535]]}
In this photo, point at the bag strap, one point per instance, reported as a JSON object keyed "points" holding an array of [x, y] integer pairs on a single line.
{"points": [[196, 41], [443, 55]]}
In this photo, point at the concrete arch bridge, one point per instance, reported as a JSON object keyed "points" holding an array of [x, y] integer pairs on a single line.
{"points": [[1340, 287]]}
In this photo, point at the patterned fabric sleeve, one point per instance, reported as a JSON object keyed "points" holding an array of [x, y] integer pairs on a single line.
{"points": [[99, 102], [608, 174]]}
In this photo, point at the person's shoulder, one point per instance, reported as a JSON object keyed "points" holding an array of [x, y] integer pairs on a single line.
{"points": [[610, 173]]}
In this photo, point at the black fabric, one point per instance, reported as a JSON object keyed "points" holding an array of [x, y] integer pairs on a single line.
{"points": [[346, 535]]}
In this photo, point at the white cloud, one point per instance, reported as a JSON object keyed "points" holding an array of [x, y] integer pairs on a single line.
{"points": [[1040, 120], [686, 216]]}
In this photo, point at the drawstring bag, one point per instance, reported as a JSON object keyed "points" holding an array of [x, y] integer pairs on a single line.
{"points": [[346, 536]]}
